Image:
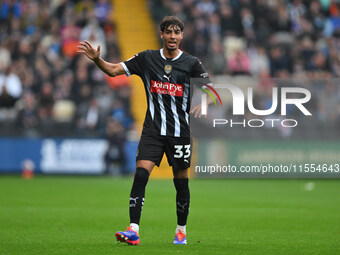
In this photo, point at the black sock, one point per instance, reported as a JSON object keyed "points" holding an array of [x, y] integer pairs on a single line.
{"points": [[182, 200], [137, 194]]}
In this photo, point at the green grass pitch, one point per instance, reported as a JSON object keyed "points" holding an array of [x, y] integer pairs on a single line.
{"points": [[79, 215]]}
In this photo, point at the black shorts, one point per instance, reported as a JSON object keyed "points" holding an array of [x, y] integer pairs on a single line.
{"points": [[177, 150]]}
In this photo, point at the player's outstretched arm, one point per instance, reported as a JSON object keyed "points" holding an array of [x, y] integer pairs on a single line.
{"points": [[93, 54]]}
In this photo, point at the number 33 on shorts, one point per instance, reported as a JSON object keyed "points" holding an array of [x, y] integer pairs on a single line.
{"points": [[182, 151]]}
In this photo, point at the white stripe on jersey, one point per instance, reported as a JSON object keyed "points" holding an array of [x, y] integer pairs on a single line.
{"points": [[163, 115], [174, 111], [185, 101], [187, 117], [127, 72], [151, 105]]}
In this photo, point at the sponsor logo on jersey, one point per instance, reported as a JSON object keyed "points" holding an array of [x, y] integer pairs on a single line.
{"points": [[167, 69], [167, 77], [167, 88]]}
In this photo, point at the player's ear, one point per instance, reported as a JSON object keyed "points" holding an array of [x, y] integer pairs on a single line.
{"points": [[161, 34]]}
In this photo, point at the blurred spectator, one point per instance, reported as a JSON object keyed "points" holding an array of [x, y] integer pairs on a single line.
{"points": [[216, 62], [259, 62], [239, 63], [5, 58], [46, 101], [84, 10], [282, 21], [84, 93], [64, 84], [88, 115], [103, 10], [10, 9], [319, 62], [115, 156], [95, 35], [317, 17], [214, 28], [328, 104], [70, 37], [120, 113], [206, 6], [28, 114], [10, 91], [278, 61], [230, 25], [200, 46], [248, 22]]}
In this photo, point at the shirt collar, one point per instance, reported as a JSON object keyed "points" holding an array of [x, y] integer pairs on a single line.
{"points": [[177, 57]]}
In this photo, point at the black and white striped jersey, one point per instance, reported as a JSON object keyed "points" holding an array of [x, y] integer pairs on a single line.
{"points": [[167, 88]]}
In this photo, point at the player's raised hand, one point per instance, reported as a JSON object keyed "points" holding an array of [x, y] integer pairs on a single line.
{"points": [[87, 49]]}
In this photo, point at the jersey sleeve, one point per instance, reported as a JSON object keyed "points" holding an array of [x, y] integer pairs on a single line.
{"points": [[134, 65], [199, 74]]}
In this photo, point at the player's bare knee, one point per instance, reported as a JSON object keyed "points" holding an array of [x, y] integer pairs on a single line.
{"points": [[146, 164]]}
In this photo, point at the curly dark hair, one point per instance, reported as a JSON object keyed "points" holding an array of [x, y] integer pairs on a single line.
{"points": [[171, 21]]}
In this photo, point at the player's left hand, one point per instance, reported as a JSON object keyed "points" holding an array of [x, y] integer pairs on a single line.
{"points": [[197, 111], [87, 49]]}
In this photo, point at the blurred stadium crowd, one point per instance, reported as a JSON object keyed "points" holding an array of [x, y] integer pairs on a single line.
{"points": [[47, 89]]}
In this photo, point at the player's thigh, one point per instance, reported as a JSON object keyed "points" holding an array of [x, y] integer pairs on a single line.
{"points": [[150, 148], [178, 152]]}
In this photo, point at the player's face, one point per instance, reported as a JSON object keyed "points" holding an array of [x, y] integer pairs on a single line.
{"points": [[172, 37]]}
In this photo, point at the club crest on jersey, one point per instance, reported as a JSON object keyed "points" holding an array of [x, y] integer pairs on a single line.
{"points": [[167, 69]]}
